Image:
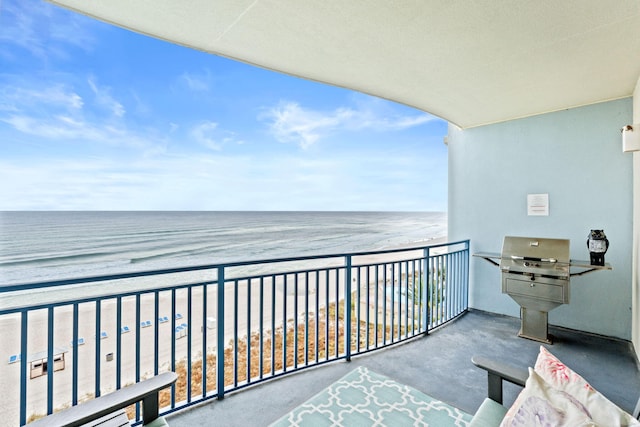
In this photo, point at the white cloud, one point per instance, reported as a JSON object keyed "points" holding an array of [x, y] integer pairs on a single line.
{"points": [[104, 98], [58, 95], [289, 122], [211, 136], [197, 82], [57, 112], [44, 30]]}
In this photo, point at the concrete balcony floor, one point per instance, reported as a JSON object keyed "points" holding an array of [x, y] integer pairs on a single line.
{"points": [[439, 365]]}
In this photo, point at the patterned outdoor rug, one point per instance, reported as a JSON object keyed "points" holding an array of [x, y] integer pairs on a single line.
{"points": [[364, 398]]}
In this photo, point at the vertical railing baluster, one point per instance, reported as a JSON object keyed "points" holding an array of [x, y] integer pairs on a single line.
{"points": [[426, 291], [295, 321], [347, 310], [451, 285], [138, 347], [393, 301], [204, 340], [419, 300], [156, 332], [235, 333], [442, 283], [98, 343], [119, 342], [358, 304], [327, 339], [24, 329], [438, 301], [413, 297], [456, 278], [368, 314], [317, 315], [189, 340], [137, 329], [466, 260], [336, 332], [273, 325], [377, 303], [74, 366], [50, 361], [406, 304], [173, 339], [284, 322], [384, 304], [261, 326], [220, 343], [249, 330], [306, 318]]}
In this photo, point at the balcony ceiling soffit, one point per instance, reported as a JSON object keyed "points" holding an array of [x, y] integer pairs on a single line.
{"points": [[471, 63]]}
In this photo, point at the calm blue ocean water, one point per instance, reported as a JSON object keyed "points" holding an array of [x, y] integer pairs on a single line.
{"points": [[40, 246]]}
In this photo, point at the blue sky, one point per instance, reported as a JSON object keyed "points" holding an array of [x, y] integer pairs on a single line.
{"points": [[94, 117]]}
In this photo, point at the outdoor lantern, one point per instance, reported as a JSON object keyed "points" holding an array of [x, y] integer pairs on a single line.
{"points": [[598, 244]]}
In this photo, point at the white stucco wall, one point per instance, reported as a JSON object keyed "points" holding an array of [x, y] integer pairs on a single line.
{"points": [[576, 157]]}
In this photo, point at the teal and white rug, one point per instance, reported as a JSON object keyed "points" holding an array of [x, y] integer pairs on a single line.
{"points": [[365, 398]]}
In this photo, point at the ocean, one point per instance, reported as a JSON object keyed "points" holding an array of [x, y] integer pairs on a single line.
{"points": [[43, 246]]}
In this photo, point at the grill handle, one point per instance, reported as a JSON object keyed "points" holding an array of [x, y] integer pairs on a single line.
{"points": [[526, 258]]}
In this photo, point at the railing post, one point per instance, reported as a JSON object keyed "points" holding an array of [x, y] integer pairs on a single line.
{"points": [[220, 330], [426, 292], [466, 273], [347, 308]]}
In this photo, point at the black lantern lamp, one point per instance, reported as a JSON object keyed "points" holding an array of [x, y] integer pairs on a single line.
{"points": [[598, 244]]}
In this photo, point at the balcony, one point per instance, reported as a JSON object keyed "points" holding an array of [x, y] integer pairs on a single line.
{"points": [[439, 365], [71, 340]]}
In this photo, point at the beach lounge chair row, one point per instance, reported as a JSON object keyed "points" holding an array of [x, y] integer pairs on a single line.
{"points": [[180, 330]]}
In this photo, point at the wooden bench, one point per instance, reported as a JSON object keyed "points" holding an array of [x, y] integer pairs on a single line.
{"points": [[109, 410]]}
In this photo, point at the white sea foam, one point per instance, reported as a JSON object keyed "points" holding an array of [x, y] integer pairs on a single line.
{"points": [[43, 246]]}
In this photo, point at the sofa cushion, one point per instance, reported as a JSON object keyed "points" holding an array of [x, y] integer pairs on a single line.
{"points": [[561, 377], [539, 404], [489, 414]]}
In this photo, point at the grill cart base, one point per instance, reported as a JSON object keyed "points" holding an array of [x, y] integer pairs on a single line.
{"points": [[534, 325]]}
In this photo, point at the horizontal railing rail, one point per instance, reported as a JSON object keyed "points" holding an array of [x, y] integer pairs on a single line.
{"points": [[221, 327]]}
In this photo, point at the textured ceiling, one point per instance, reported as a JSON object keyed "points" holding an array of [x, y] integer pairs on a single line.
{"points": [[469, 62]]}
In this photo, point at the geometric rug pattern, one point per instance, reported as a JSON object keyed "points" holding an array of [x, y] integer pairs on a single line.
{"points": [[365, 398]]}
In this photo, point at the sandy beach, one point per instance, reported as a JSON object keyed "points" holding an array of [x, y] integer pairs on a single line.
{"points": [[278, 302]]}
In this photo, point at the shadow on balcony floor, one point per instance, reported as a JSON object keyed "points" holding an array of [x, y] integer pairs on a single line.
{"points": [[439, 365]]}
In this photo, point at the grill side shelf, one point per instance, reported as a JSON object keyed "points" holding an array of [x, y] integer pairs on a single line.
{"points": [[585, 266], [490, 257]]}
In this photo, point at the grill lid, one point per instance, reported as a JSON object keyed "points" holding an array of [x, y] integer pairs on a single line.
{"points": [[549, 257]]}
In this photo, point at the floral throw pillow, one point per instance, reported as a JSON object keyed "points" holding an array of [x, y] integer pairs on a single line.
{"points": [[539, 404], [561, 377]]}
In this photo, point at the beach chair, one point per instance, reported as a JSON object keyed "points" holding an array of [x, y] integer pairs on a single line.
{"points": [[79, 342]]}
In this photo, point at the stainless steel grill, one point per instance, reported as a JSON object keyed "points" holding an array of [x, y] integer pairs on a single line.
{"points": [[535, 273]]}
